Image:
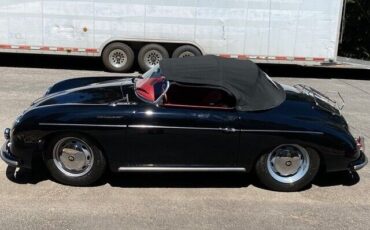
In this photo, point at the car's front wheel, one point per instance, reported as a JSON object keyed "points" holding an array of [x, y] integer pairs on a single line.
{"points": [[75, 160], [288, 167]]}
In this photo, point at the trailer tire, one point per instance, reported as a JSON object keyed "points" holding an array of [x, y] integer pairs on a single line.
{"points": [[150, 55], [186, 51], [118, 57]]}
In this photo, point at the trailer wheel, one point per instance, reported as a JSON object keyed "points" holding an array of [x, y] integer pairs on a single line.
{"points": [[186, 51], [150, 55], [118, 57]]}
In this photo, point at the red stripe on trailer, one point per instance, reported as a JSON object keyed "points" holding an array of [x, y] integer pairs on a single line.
{"points": [[281, 58], [68, 50], [24, 47], [319, 59], [225, 55], [91, 50], [278, 58], [5, 46], [243, 57], [47, 48]]}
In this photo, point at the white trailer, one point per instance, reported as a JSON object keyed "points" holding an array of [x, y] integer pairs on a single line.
{"points": [[121, 31]]}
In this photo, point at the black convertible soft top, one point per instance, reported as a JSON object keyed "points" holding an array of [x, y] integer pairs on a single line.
{"points": [[252, 89]]}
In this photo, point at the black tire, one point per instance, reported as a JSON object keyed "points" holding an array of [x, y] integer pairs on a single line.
{"points": [[185, 51], [92, 175], [156, 49], [127, 53], [267, 179]]}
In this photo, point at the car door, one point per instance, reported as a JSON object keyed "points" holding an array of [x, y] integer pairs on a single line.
{"points": [[166, 136]]}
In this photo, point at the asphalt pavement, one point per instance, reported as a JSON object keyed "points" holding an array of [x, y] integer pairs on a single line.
{"points": [[30, 200]]}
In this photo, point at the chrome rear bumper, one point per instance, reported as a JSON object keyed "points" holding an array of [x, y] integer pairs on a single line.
{"points": [[6, 156]]}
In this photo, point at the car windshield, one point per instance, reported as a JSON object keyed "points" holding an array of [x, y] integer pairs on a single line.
{"points": [[152, 86]]}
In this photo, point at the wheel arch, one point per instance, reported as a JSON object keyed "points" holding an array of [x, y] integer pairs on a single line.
{"points": [[49, 137], [270, 148]]}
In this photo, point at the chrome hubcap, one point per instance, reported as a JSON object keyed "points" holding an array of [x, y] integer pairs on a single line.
{"points": [[186, 54], [73, 157], [152, 58], [118, 58], [288, 163]]}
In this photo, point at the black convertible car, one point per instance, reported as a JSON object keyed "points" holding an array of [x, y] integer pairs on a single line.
{"points": [[191, 114]]}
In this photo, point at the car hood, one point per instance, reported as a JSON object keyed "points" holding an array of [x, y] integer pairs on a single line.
{"points": [[80, 84]]}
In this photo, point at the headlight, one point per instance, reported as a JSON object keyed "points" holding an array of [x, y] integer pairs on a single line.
{"points": [[7, 134]]}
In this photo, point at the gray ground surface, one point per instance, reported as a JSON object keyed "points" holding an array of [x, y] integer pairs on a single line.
{"points": [[178, 201]]}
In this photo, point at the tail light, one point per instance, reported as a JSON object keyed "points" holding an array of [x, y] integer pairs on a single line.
{"points": [[360, 141]]}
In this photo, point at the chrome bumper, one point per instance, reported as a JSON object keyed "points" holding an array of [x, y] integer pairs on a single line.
{"points": [[360, 162], [6, 156]]}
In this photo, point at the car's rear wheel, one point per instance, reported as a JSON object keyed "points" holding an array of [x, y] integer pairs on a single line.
{"points": [[150, 55], [75, 160], [118, 57], [288, 167]]}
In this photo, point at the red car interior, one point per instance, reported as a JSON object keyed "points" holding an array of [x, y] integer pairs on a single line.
{"points": [[145, 88], [180, 95]]}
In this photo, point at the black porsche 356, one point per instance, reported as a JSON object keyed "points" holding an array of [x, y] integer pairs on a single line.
{"points": [[192, 114]]}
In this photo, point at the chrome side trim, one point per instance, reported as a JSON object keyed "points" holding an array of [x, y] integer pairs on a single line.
{"points": [[181, 127], [82, 125], [141, 126], [171, 127], [180, 169], [279, 131]]}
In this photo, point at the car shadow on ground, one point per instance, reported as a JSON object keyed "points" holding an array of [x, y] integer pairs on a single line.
{"points": [[26, 176], [180, 179], [345, 178]]}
